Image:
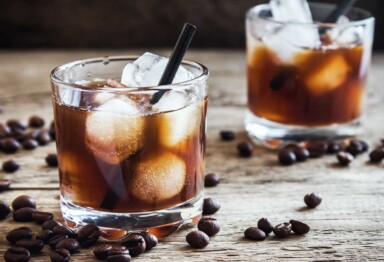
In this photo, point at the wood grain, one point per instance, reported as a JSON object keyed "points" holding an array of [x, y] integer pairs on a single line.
{"points": [[348, 225]]}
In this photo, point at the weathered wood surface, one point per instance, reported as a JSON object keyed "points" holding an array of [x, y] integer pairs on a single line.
{"points": [[348, 225]]}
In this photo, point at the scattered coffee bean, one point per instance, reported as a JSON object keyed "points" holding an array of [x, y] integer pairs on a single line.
{"points": [[40, 217], [23, 214], [5, 131], [377, 155], [197, 239], [23, 201], [245, 149], [101, 252], [51, 160], [36, 122], [60, 255], [20, 135], [16, 124], [18, 234], [354, 148], [4, 184], [255, 233], [265, 225], [363, 144], [344, 158], [211, 180], [44, 137], [64, 230], [33, 245], [70, 244], [50, 224], [118, 250], [119, 258], [312, 200], [30, 144], [227, 135], [10, 166], [88, 235], [316, 149], [135, 244], [10, 145], [45, 235], [333, 147], [17, 254], [286, 157], [282, 230], [56, 239], [52, 131], [210, 206], [150, 240], [301, 154], [209, 226], [4, 210], [299, 228]]}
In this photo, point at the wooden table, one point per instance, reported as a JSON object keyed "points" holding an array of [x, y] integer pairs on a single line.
{"points": [[348, 225]]}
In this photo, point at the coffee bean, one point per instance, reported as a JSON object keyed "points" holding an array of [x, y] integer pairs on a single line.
{"points": [[299, 228], [150, 240], [44, 137], [23, 214], [56, 239], [265, 225], [255, 233], [10, 145], [286, 157], [344, 158], [4, 210], [17, 254], [135, 244], [60, 255], [245, 149], [312, 200], [363, 144], [333, 147], [282, 230], [64, 230], [209, 226], [211, 180], [10, 166], [23, 201], [227, 135], [101, 252], [377, 155], [18, 234], [316, 149], [33, 245], [88, 235], [70, 244], [52, 131], [40, 217], [355, 148], [4, 184], [36, 122], [51, 160], [118, 250], [301, 154], [50, 224], [197, 239], [30, 144], [5, 131], [210, 206], [119, 258], [45, 235], [16, 124]]}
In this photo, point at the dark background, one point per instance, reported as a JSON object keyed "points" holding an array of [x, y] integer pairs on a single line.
{"points": [[26, 24]]}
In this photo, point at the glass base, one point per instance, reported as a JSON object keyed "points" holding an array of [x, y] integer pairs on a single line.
{"points": [[115, 226], [275, 135]]}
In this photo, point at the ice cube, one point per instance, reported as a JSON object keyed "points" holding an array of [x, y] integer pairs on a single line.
{"points": [[114, 131], [148, 69], [69, 96], [171, 100], [158, 177], [347, 36], [291, 11]]}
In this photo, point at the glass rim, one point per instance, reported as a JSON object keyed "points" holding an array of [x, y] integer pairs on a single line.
{"points": [[254, 13], [57, 80]]}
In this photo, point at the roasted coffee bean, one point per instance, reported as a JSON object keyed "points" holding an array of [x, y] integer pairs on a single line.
{"points": [[210, 206], [70, 244], [18, 234], [44, 137], [301, 154], [17, 254], [245, 149], [354, 148], [33, 245], [299, 228], [316, 149], [5, 131], [135, 244], [227, 135], [52, 131], [50, 224], [10, 145], [211, 180], [4, 210], [45, 235], [4, 184], [118, 250], [101, 252], [282, 230], [209, 226], [344, 158], [16, 124], [363, 144], [88, 235], [197, 239], [10, 166], [265, 225], [56, 239], [333, 147], [377, 155], [150, 240], [36, 121], [23, 214], [64, 230], [312, 200], [255, 233], [40, 217], [60, 255], [30, 144], [286, 157], [51, 160], [23, 201], [119, 258]]}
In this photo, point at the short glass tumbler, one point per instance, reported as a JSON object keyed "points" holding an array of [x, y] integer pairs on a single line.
{"points": [[306, 81], [127, 163]]}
